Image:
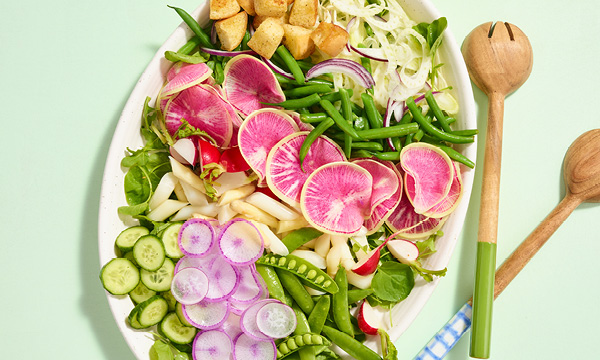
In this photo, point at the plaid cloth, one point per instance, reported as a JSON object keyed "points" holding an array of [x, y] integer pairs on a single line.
{"points": [[448, 336]]}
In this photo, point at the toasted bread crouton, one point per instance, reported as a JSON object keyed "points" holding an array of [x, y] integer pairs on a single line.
{"points": [[297, 40], [231, 31], [330, 38], [267, 38], [248, 6], [272, 8], [222, 9], [259, 20], [304, 13]]}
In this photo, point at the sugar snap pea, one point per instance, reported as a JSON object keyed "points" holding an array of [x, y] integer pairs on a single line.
{"points": [[297, 291], [295, 342], [339, 119], [309, 273], [302, 327], [294, 104], [356, 295], [432, 130], [341, 313], [307, 90], [312, 137], [353, 347], [273, 283], [194, 26], [389, 132], [299, 237], [317, 317]]}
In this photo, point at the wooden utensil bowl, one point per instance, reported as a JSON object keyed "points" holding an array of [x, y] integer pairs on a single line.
{"points": [[582, 167]]}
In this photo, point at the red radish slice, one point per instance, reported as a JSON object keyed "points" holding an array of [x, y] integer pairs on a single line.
{"points": [[406, 222], [336, 197], [241, 242], [212, 345], [451, 201], [248, 82], [196, 237], [246, 348], [185, 77], [283, 173], [231, 326], [232, 160], [249, 289], [259, 133], [385, 209], [206, 315], [184, 151], [203, 110], [248, 320], [276, 320], [405, 251], [223, 280], [208, 153], [385, 181], [369, 320], [368, 264], [189, 286], [428, 175]]}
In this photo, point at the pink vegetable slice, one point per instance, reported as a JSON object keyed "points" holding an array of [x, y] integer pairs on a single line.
{"points": [[235, 118], [259, 133], [246, 348], [185, 76], [428, 175], [189, 286], [248, 320], [336, 198], [206, 315], [202, 109], [231, 326], [302, 126], [450, 202], [223, 280], [385, 209], [241, 242], [283, 173], [196, 237], [249, 289], [248, 82], [212, 345], [385, 181]]}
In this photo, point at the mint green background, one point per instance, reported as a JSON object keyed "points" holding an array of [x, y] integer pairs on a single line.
{"points": [[67, 68]]}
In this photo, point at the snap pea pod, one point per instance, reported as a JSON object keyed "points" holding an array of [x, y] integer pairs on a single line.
{"points": [[316, 277], [312, 137], [295, 342], [297, 291], [339, 119], [356, 295], [367, 145], [432, 130], [273, 283], [371, 111], [353, 347], [299, 103], [341, 314], [437, 111], [302, 327], [313, 118], [307, 90], [291, 64], [318, 316], [194, 26], [389, 132], [189, 46], [299, 237]]}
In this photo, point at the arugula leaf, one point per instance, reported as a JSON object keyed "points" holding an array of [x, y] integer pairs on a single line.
{"points": [[432, 32], [161, 351], [393, 281]]}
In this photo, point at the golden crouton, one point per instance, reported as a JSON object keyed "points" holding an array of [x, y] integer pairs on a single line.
{"points": [[330, 38], [267, 38], [231, 31], [297, 40], [304, 13], [259, 20], [222, 9], [272, 8], [248, 6]]}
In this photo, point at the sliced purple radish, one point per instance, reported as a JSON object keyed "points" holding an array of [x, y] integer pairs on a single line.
{"points": [[223, 280], [385, 209], [202, 109], [206, 315], [257, 135], [385, 181], [233, 112], [249, 289], [189, 286], [248, 321], [336, 198], [276, 320], [196, 237], [451, 201], [212, 345], [203, 263], [186, 76], [231, 326], [302, 126], [406, 222], [184, 151], [247, 348], [428, 175], [241, 242], [248, 82], [283, 173]]}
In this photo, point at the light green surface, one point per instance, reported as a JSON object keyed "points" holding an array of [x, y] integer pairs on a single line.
{"points": [[67, 69]]}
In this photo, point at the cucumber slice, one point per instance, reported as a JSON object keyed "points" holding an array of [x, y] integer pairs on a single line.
{"points": [[159, 280], [132, 319], [169, 239], [119, 276], [152, 311], [179, 312], [175, 331], [170, 299], [129, 256], [149, 252], [127, 238], [141, 293]]}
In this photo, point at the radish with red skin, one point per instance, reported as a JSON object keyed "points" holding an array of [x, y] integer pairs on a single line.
{"points": [[189, 286], [224, 280], [368, 264], [209, 153], [206, 315], [240, 242], [385, 181], [233, 161], [246, 348], [231, 326], [184, 151], [369, 320], [386, 208], [212, 345], [249, 289], [196, 237], [407, 253]]}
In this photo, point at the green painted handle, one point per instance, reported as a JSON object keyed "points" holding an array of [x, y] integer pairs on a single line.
{"points": [[483, 298]]}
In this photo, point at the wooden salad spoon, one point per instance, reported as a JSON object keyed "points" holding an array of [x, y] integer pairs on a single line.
{"points": [[499, 60]]}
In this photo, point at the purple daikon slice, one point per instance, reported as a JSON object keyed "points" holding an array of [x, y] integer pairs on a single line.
{"points": [[276, 320], [206, 315], [212, 345], [241, 242], [196, 237], [249, 289], [248, 321], [231, 326], [223, 280], [246, 348], [189, 286]]}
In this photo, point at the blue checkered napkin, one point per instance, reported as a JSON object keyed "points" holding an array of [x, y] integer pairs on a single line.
{"points": [[448, 336]]}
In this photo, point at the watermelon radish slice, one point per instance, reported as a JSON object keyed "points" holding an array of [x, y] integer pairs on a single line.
{"points": [[235, 118], [336, 198], [241, 242], [296, 117], [248, 82], [428, 175], [196, 237], [257, 135], [385, 209], [202, 109], [185, 76], [283, 173], [189, 286], [206, 315], [385, 181], [405, 222], [212, 345], [450, 202]]}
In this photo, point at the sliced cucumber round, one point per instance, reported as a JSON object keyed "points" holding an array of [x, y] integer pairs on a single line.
{"points": [[175, 331], [141, 293], [152, 311], [170, 299], [159, 280], [132, 319], [119, 276], [179, 312], [127, 238], [149, 252], [169, 239]]}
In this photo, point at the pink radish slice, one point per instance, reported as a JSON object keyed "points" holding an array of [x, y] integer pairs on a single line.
{"points": [[385, 181], [186, 76], [450, 202], [189, 286], [276, 320], [428, 175], [212, 345], [231, 326], [283, 173], [235, 118], [248, 321], [196, 237], [241, 242], [259, 133], [175, 69], [405, 221], [249, 289], [203, 263], [302, 126], [405, 251], [203, 110], [206, 315], [336, 198], [248, 82], [223, 280], [385, 209], [239, 307], [184, 151], [247, 348]]}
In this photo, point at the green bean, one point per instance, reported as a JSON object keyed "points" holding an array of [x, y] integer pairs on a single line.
{"points": [[211, 64], [389, 132], [295, 342], [388, 155], [311, 274], [307, 90], [189, 46], [291, 64], [273, 284], [317, 317], [190, 59], [456, 156], [218, 74], [339, 119], [409, 139], [299, 237], [367, 145], [282, 79], [361, 154], [437, 112], [360, 123], [312, 137], [341, 314], [303, 111], [347, 114], [294, 287], [313, 118], [319, 81], [353, 347], [356, 295], [194, 26], [432, 130], [245, 41], [302, 327], [305, 65], [371, 111], [466, 132], [406, 119], [294, 104], [335, 96]]}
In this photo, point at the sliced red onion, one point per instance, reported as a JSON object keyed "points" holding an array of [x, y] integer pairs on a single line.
{"points": [[277, 69], [422, 96], [223, 280], [248, 320], [196, 237], [246, 348], [348, 26], [206, 315], [399, 110], [249, 289], [276, 320], [347, 67], [227, 53], [189, 286], [241, 242], [364, 52], [212, 345]]}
